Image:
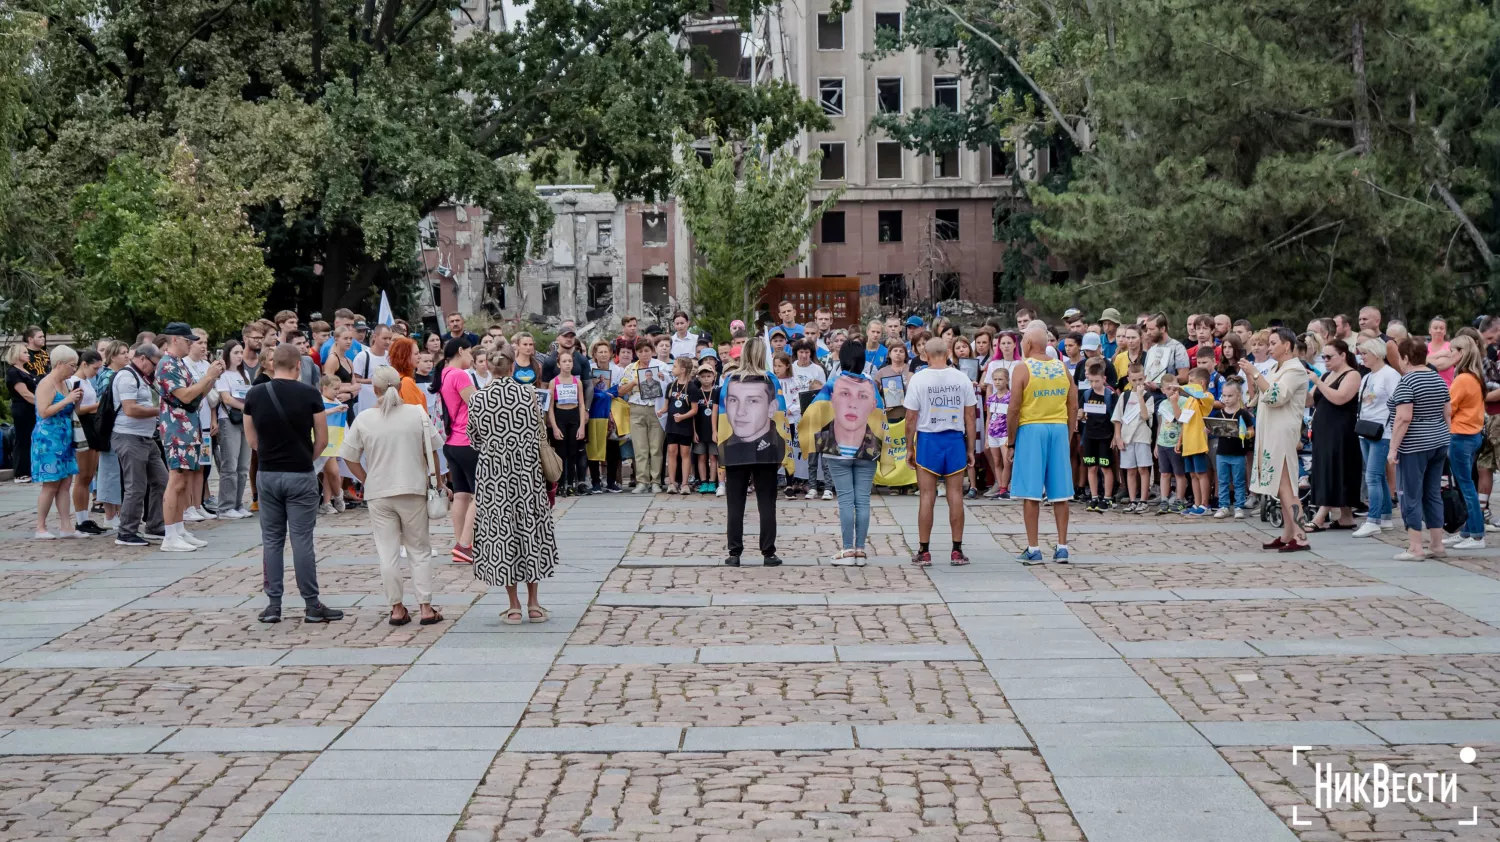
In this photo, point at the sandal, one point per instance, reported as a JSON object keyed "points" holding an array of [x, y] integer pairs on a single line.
{"points": [[513, 617], [429, 621], [1408, 555], [546, 615], [402, 620]]}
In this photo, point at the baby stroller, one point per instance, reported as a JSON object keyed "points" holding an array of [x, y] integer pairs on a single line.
{"points": [[1270, 504]]}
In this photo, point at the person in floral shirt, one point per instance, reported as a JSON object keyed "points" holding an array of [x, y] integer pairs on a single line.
{"points": [[181, 431]]}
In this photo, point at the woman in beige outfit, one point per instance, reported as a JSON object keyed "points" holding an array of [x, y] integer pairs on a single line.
{"points": [[1278, 430], [386, 448]]}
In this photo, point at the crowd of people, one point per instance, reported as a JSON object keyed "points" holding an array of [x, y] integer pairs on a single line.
{"points": [[1347, 418]]}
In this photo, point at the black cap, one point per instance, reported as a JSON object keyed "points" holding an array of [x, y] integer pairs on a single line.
{"points": [[182, 329]]}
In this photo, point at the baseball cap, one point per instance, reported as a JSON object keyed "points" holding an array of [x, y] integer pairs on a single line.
{"points": [[1071, 312], [708, 367], [182, 329], [776, 330], [567, 328], [915, 321], [361, 326], [1110, 314], [1091, 342]]}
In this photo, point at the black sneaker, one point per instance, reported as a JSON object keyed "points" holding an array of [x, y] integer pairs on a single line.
{"points": [[732, 561], [130, 539], [320, 613], [1092, 505], [613, 488], [88, 527], [271, 613], [596, 488], [1104, 504], [771, 561], [154, 537]]}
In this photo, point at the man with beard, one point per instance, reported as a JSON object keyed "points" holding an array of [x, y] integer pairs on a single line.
{"points": [[1166, 355]]}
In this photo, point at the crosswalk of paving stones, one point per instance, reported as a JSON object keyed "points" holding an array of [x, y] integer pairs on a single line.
{"points": [[1151, 691]]}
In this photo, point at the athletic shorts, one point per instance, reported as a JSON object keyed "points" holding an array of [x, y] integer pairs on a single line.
{"points": [[463, 464], [1137, 454], [1097, 453], [1170, 461], [1196, 464], [1043, 466], [942, 453], [995, 441]]}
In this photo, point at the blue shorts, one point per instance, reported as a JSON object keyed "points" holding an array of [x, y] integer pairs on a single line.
{"points": [[1196, 464], [1043, 466], [942, 453]]}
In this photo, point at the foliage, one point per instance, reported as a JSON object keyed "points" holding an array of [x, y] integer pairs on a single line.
{"points": [[167, 246], [750, 217]]}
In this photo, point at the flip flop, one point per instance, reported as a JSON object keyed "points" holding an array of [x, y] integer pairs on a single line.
{"points": [[433, 620]]}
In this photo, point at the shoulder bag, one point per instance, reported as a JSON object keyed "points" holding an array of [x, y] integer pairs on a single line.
{"points": [[1455, 508], [1370, 430], [552, 466], [437, 501]]}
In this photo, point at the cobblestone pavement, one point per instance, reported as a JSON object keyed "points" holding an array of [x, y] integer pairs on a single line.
{"points": [[770, 795], [768, 694], [789, 580], [141, 699], [767, 625], [238, 629], [1270, 773], [1255, 619], [1367, 687], [214, 798], [211, 696], [1291, 574]]}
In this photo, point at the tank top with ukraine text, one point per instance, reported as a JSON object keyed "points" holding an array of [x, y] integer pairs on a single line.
{"points": [[1046, 398]]}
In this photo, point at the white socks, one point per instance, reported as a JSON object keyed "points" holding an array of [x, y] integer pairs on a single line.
{"points": [[175, 529], [80, 517]]}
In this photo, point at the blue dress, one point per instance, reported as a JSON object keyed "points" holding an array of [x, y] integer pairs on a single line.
{"points": [[53, 456]]}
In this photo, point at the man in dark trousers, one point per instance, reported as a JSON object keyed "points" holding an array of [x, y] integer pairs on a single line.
{"points": [[284, 422]]}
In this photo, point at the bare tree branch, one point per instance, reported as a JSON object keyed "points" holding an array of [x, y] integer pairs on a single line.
{"points": [[416, 18], [207, 22], [1315, 120], [1477, 238]]}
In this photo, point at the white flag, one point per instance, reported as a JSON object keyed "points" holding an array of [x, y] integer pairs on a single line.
{"points": [[385, 317]]}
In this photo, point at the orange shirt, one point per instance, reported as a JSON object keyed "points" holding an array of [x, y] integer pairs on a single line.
{"points": [[1467, 396], [411, 393]]}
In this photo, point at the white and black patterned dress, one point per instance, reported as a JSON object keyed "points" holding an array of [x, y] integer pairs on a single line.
{"points": [[514, 542]]}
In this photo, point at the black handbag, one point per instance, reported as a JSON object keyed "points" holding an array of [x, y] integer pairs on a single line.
{"points": [[1367, 429], [1455, 510]]}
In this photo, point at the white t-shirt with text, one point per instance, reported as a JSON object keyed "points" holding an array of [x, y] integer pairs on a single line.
{"points": [[939, 397]]}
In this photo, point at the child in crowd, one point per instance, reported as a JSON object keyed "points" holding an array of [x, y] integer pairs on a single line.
{"points": [[997, 407], [683, 398], [1132, 420], [1233, 487], [1096, 405], [327, 463], [1169, 447], [1260, 350], [782, 367], [704, 448], [1205, 357], [1195, 405]]}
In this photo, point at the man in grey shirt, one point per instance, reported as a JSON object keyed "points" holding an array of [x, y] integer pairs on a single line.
{"points": [[143, 474]]}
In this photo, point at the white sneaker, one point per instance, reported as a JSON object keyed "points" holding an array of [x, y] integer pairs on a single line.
{"points": [[1470, 544], [1387, 524], [176, 544], [206, 514], [45, 536], [812, 494], [233, 514], [827, 494], [1239, 514], [325, 509], [639, 489], [719, 492], [191, 515], [338, 504], [74, 534], [1221, 514], [655, 489], [112, 523], [1368, 528], [1452, 540], [192, 539]]}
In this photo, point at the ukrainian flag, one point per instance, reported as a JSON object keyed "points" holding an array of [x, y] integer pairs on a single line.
{"points": [[778, 417], [820, 414]]}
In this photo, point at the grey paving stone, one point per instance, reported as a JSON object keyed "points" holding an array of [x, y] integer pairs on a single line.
{"points": [[72, 660], [1287, 733], [884, 599], [629, 655], [654, 600], [219, 658], [1076, 688], [1446, 645], [416, 766], [563, 620], [1041, 594], [1350, 592], [997, 735], [43, 631], [1327, 646], [370, 798], [394, 655], [1007, 609], [597, 738], [881, 652], [95, 583], [769, 599], [761, 738], [1185, 824], [522, 673], [1234, 593], [47, 617], [1018, 624], [434, 738], [543, 634], [1185, 649], [1053, 711], [1002, 647], [1075, 761], [491, 655], [1219, 807], [459, 692], [1065, 668], [1120, 595], [1440, 731], [127, 739], [186, 603], [752, 654], [268, 738], [456, 715]]}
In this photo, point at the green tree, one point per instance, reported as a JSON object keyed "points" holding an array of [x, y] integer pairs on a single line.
{"points": [[347, 121], [167, 246], [750, 217]]}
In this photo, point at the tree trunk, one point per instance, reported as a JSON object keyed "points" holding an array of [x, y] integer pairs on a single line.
{"points": [[1361, 93]]}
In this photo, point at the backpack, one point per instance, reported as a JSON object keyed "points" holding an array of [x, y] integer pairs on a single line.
{"points": [[104, 419]]}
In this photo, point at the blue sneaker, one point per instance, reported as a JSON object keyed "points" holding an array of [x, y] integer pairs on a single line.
{"points": [[1195, 511], [1030, 556], [1060, 555]]}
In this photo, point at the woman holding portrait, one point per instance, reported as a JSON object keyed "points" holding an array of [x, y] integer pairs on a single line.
{"points": [[845, 426]]}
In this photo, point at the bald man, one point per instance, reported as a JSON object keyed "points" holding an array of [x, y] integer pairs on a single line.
{"points": [[1043, 413], [940, 405], [1369, 319]]}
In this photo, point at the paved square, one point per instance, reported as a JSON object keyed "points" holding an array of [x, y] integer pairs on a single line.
{"points": [[1253, 619], [332, 579], [30, 584], [767, 625], [767, 580], [1163, 542], [205, 696], [788, 513], [823, 545], [1291, 574], [238, 629], [859, 794], [768, 694], [210, 797]]}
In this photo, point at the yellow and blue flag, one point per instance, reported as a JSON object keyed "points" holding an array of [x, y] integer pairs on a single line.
{"points": [[752, 426], [847, 418]]}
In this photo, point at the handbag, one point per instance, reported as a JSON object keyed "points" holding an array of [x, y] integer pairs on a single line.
{"points": [[437, 501], [1455, 510], [552, 466], [1370, 430]]}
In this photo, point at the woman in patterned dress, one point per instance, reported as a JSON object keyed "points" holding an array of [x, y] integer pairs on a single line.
{"points": [[1278, 429], [514, 540], [53, 454]]}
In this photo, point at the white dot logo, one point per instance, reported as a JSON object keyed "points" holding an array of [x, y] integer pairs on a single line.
{"points": [[1467, 754]]}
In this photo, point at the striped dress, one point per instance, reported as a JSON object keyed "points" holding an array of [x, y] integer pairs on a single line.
{"points": [[514, 538]]}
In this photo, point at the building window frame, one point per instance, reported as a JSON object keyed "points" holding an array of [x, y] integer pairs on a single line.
{"points": [[843, 232], [876, 27], [944, 84], [888, 225], [939, 172], [900, 95], [900, 160], [828, 18], [832, 96], [943, 229], [826, 147]]}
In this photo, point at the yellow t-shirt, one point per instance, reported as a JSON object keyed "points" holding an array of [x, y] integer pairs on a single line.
{"points": [[1046, 398], [1194, 434]]}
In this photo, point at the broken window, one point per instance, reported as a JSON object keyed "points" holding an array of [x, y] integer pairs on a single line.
{"points": [[945, 163], [945, 286], [604, 233], [946, 224], [551, 300], [887, 159], [654, 290], [601, 295], [892, 290], [888, 95], [831, 95], [945, 92], [889, 21], [833, 227], [888, 226], [999, 161], [653, 230], [831, 168]]}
